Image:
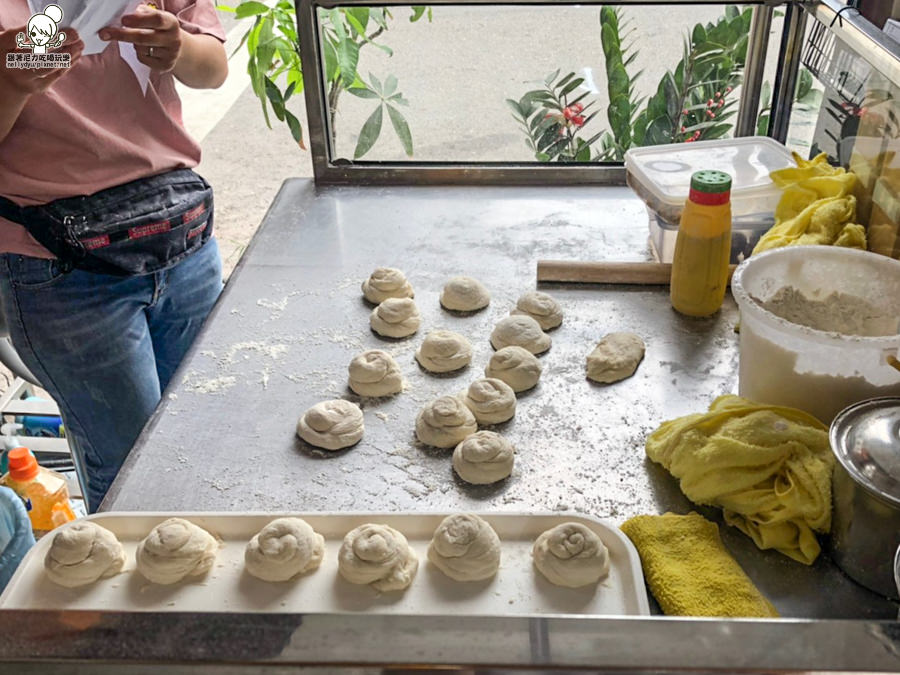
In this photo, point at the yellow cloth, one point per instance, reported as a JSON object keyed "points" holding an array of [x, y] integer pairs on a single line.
{"points": [[768, 468], [689, 571]]}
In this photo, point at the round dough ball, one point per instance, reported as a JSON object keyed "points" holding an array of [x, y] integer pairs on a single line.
{"points": [[491, 400], [465, 294], [571, 555], [615, 357], [175, 549], [396, 318], [484, 457], [443, 351], [516, 366], [82, 553], [465, 548], [520, 330], [377, 555], [283, 549], [445, 422], [384, 283], [375, 373], [332, 425], [541, 307]]}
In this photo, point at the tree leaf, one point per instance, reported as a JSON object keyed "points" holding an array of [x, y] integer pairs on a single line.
{"points": [[402, 129], [390, 85], [369, 133], [295, 127], [362, 92], [348, 58], [246, 9], [571, 86]]}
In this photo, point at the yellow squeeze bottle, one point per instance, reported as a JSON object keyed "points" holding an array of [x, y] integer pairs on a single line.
{"points": [[703, 246], [44, 491]]}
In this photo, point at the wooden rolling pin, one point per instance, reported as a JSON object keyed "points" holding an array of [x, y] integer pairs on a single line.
{"points": [[646, 273]]}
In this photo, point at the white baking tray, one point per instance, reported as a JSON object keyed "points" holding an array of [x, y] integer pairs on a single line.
{"points": [[517, 589]]}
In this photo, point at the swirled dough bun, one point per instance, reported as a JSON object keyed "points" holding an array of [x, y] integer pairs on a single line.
{"points": [[396, 318], [615, 357], [465, 548], [283, 549], [176, 549], [443, 351], [332, 425], [384, 283], [516, 366], [375, 373], [484, 457], [377, 555], [571, 555], [491, 400], [522, 331], [464, 294], [82, 553], [541, 307], [444, 422]]}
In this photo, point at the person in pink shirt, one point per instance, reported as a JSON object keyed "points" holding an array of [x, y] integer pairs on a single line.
{"points": [[88, 145]]}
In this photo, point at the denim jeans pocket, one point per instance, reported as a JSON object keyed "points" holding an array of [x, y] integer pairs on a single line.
{"points": [[29, 272]]}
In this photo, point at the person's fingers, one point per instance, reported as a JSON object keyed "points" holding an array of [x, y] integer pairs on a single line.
{"points": [[146, 18], [136, 36]]}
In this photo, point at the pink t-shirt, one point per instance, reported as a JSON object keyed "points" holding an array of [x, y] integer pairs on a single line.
{"points": [[94, 128]]}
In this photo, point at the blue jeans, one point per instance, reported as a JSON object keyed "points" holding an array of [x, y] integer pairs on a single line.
{"points": [[105, 347]]}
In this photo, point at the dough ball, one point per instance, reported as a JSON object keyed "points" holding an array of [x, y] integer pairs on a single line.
{"points": [[465, 547], [396, 318], [520, 330], [384, 283], [491, 400], [615, 357], [283, 549], [541, 307], [516, 366], [484, 457], [571, 555], [445, 422], [375, 373], [332, 425], [465, 294], [377, 555], [82, 553], [443, 351], [176, 549]]}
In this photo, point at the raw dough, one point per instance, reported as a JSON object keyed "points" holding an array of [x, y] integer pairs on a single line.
{"points": [[443, 351], [465, 294], [445, 422], [516, 366], [491, 400], [571, 555], [175, 549], [520, 330], [82, 553], [283, 549], [384, 283], [465, 547], [377, 555], [396, 318], [615, 357], [484, 457], [541, 307], [332, 425], [375, 373]]}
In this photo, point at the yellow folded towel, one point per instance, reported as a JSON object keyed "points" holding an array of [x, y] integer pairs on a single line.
{"points": [[768, 467], [689, 571]]}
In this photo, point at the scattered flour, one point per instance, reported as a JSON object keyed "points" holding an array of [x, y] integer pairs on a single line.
{"points": [[192, 382]]}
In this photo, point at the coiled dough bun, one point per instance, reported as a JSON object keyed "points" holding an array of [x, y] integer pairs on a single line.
{"points": [[484, 457], [491, 400], [175, 549], [541, 307], [82, 553], [377, 555], [443, 351], [465, 294], [520, 330], [375, 373], [615, 357], [396, 318], [571, 555], [384, 283], [332, 425], [283, 549], [465, 547], [516, 366], [444, 422]]}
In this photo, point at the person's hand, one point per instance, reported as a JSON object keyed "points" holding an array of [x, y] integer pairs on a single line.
{"points": [[30, 81], [156, 36]]}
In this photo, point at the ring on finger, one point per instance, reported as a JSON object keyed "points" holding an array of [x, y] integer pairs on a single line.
{"points": [[150, 52]]}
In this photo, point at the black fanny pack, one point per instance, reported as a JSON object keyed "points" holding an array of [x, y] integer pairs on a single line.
{"points": [[136, 228]]}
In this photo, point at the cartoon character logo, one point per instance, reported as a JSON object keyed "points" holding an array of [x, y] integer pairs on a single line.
{"points": [[43, 29]]}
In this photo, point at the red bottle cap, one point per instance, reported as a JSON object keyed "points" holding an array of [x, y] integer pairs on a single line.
{"points": [[22, 464]]}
